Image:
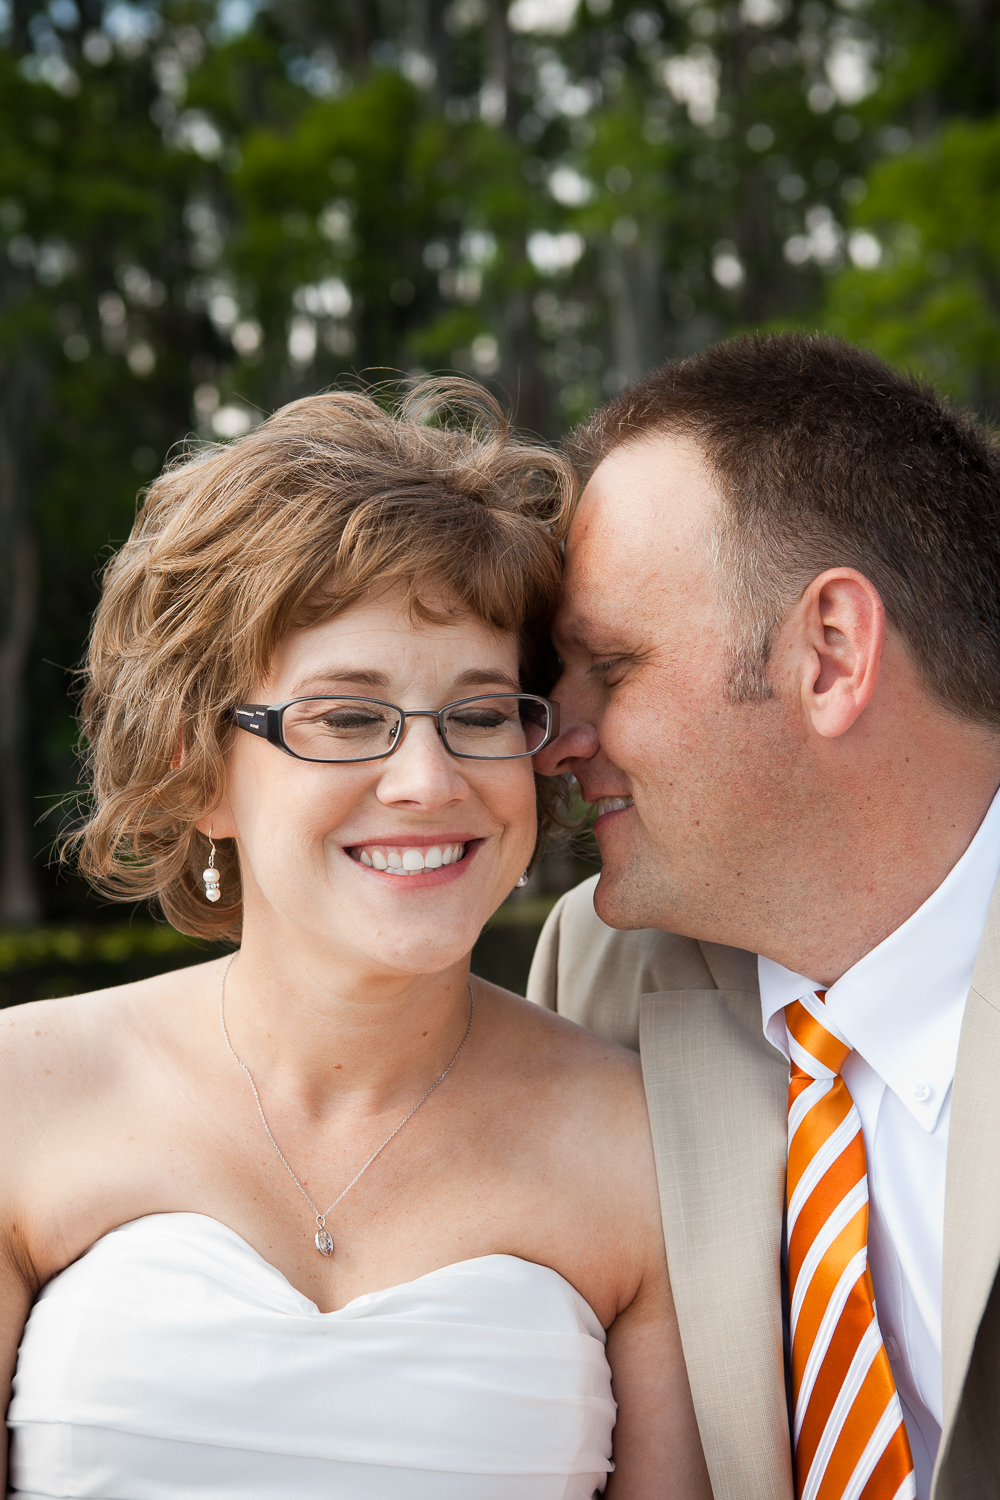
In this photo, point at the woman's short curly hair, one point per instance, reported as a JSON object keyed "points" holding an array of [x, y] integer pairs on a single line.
{"points": [[332, 496]]}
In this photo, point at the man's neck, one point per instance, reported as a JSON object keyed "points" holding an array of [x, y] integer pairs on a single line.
{"points": [[885, 856]]}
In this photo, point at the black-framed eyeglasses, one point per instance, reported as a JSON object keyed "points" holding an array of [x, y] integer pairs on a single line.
{"points": [[336, 731]]}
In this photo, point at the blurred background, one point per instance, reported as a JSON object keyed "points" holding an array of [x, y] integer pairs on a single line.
{"points": [[211, 207]]}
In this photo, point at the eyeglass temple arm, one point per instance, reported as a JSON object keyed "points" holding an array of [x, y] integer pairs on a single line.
{"points": [[260, 719], [553, 721], [252, 716]]}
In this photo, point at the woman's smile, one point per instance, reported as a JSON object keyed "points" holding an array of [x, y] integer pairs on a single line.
{"points": [[437, 858]]}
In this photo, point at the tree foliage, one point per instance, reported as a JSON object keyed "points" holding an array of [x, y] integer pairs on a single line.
{"points": [[210, 207], [928, 291]]}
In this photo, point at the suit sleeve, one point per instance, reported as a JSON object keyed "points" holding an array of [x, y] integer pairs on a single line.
{"points": [[587, 971], [596, 975]]}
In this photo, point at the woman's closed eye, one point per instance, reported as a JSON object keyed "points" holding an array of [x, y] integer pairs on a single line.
{"points": [[325, 726], [479, 718], [349, 718]]}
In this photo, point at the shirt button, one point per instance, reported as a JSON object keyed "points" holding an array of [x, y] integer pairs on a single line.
{"points": [[922, 1091], [891, 1348]]}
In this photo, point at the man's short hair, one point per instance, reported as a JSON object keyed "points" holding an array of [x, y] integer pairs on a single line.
{"points": [[828, 458]]}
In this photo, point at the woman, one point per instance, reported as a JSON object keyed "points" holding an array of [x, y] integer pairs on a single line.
{"points": [[328, 1217]]}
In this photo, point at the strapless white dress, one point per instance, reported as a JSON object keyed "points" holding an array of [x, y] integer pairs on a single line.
{"points": [[171, 1362]]}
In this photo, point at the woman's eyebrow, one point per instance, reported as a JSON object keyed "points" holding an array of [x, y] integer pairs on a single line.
{"points": [[357, 676], [366, 677], [475, 677]]}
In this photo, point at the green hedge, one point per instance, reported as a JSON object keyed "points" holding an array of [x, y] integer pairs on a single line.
{"points": [[38, 947], [42, 947]]}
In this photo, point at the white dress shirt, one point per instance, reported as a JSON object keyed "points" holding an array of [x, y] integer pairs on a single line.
{"points": [[901, 1008]]}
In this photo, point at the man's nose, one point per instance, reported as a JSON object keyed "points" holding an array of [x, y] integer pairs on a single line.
{"points": [[577, 740]]}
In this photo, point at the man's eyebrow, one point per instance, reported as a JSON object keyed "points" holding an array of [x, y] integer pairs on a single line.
{"points": [[581, 632], [573, 631]]}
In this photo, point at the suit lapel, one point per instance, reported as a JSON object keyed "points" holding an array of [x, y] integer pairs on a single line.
{"points": [[972, 1188], [717, 1095]]}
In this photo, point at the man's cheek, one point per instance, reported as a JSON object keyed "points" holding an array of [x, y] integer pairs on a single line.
{"points": [[617, 742], [635, 739]]}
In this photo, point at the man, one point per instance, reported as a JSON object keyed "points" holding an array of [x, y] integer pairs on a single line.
{"points": [[781, 688]]}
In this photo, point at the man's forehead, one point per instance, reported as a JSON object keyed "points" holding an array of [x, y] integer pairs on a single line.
{"points": [[659, 480], [603, 610], [649, 502], [640, 535]]}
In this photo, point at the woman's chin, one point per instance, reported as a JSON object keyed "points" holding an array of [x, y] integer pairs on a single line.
{"points": [[419, 948], [424, 965], [405, 913], [395, 926], [394, 957]]}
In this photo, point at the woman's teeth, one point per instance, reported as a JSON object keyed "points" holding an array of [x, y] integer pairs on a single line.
{"points": [[410, 861], [612, 804]]}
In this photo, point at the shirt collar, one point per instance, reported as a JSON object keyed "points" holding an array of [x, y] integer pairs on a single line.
{"points": [[901, 1005]]}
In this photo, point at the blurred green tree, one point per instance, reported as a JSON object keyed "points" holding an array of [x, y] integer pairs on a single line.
{"points": [[98, 326], [210, 207], [925, 286]]}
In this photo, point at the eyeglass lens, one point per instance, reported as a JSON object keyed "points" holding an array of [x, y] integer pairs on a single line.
{"points": [[488, 728]]}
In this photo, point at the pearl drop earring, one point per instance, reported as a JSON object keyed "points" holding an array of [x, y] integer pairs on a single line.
{"points": [[523, 880], [211, 876]]}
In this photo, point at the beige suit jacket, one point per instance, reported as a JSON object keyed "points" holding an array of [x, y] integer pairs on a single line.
{"points": [[717, 1093]]}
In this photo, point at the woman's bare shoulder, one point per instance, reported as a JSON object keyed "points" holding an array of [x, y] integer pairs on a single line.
{"points": [[567, 1061], [574, 1102], [36, 1036], [555, 1034], [49, 1049]]}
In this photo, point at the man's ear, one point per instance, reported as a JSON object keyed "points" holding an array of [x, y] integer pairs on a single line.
{"points": [[837, 644]]}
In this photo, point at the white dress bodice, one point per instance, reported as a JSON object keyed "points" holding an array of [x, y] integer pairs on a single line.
{"points": [[171, 1362]]}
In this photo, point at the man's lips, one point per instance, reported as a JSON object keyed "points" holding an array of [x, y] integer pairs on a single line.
{"points": [[604, 805], [417, 855]]}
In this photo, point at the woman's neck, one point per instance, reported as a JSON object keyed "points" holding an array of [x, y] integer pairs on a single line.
{"points": [[341, 1035]]}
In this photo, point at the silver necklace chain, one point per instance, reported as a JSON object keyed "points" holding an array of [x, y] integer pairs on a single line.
{"points": [[324, 1240]]}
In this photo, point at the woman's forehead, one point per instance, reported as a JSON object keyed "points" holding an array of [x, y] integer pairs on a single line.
{"points": [[375, 642]]}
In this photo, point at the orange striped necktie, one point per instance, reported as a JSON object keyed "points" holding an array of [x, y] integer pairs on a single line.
{"points": [[850, 1439]]}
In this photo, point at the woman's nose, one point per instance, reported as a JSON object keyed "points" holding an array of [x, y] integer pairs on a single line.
{"points": [[421, 771]]}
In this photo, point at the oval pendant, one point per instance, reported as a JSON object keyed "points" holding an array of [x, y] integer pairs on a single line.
{"points": [[324, 1242]]}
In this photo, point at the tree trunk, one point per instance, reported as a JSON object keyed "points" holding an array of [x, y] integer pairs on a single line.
{"points": [[19, 902], [496, 72], [22, 391], [20, 37]]}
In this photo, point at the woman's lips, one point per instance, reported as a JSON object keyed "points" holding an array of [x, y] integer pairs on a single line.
{"points": [[404, 859], [409, 860]]}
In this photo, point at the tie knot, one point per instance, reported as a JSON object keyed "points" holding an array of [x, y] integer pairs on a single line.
{"points": [[818, 1048]]}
